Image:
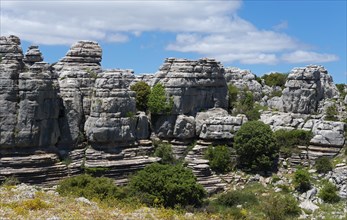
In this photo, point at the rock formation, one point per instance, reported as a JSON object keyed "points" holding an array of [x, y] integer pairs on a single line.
{"points": [[304, 89]]}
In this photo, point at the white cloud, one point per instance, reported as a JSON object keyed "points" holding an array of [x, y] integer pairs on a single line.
{"points": [[210, 27], [301, 56]]}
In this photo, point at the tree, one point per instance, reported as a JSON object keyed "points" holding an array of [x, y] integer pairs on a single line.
{"points": [[220, 158], [158, 102], [275, 79], [255, 147], [167, 185], [142, 90], [302, 180]]}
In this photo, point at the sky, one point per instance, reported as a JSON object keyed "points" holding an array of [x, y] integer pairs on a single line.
{"points": [[262, 36]]}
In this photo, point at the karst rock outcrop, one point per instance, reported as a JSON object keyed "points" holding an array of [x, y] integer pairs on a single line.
{"points": [[72, 116]]}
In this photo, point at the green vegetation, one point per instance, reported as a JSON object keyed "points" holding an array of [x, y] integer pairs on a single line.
{"points": [[302, 180], [287, 141], [158, 102], [341, 88], [331, 113], [10, 181], [142, 90], [232, 93], [220, 158], [164, 151], [100, 188], [323, 165], [328, 193], [246, 106], [275, 79], [238, 197], [256, 147], [279, 206], [167, 185]]}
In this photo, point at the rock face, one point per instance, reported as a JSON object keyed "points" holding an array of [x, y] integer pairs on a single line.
{"points": [[243, 79], [194, 85], [305, 88], [77, 73], [33, 55]]}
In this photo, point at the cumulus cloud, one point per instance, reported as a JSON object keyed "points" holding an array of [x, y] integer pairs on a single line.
{"points": [[211, 28]]}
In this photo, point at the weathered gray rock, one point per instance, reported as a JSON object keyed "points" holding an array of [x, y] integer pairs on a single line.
{"points": [[77, 73], [304, 89], [33, 55], [184, 127], [194, 85], [244, 79], [282, 120], [113, 109], [217, 124]]}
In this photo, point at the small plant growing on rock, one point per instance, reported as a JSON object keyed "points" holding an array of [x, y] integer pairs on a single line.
{"points": [[302, 180], [220, 158], [164, 151], [331, 113], [328, 193], [275, 79], [158, 102], [142, 91], [323, 165]]}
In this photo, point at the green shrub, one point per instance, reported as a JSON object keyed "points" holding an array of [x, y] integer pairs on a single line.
{"points": [[287, 141], [302, 180], [220, 158], [232, 92], [10, 181], [100, 188], [275, 79], [278, 207], [255, 147], [142, 90], [234, 198], [328, 193], [341, 88], [167, 185], [331, 113], [164, 151], [158, 102], [323, 165]]}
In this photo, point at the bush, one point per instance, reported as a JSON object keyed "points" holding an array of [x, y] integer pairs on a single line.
{"points": [[246, 105], [289, 140], [142, 90], [323, 165], [302, 180], [220, 158], [164, 151], [167, 185], [232, 92], [328, 193], [331, 113], [255, 146], [277, 207], [234, 198], [275, 79], [158, 103], [100, 188], [341, 88]]}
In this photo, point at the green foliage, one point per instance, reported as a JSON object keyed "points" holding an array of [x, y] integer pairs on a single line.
{"points": [[328, 193], [142, 90], [277, 93], [275, 79], [302, 180], [278, 207], [167, 185], [234, 198], [164, 151], [331, 113], [96, 171], [341, 88], [10, 181], [233, 91], [220, 158], [255, 147], [158, 103], [287, 140], [100, 188], [246, 106], [323, 165]]}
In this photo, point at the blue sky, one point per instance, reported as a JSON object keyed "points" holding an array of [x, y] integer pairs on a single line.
{"points": [[262, 36]]}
